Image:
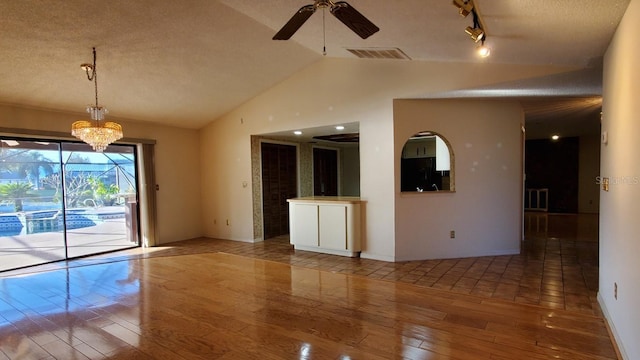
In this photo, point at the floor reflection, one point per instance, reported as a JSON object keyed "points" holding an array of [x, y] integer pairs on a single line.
{"points": [[45, 313], [212, 305]]}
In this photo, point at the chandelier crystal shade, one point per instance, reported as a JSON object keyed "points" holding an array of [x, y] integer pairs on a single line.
{"points": [[96, 132]]}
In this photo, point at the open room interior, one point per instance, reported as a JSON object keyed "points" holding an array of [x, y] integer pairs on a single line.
{"points": [[208, 102]]}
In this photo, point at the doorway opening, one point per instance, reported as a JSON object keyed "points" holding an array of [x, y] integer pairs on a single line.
{"points": [[325, 172], [341, 140], [279, 183]]}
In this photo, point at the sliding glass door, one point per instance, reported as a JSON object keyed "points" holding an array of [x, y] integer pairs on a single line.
{"points": [[61, 200], [30, 204], [100, 191]]}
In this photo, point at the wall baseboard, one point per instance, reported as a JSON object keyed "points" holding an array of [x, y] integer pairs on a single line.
{"points": [[370, 256], [456, 256], [244, 240], [613, 333]]}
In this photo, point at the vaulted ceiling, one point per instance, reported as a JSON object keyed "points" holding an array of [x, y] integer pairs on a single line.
{"points": [[185, 63]]}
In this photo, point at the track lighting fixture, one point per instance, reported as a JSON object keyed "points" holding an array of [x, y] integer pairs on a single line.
{"points": [[476, 33], [465, 7]]}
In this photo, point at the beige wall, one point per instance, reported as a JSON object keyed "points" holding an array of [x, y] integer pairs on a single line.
{"points": [[620, 206], [350, 171], [332, 91], [588, 171], [486, 209], [176, 163]]}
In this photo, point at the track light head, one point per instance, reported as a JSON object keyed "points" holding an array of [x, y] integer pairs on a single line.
{"points": [[483, 50], [464, 7], [476, 33]]}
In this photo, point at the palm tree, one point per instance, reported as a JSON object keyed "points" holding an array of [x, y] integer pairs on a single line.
{"points": [[16, 192], [28, 163], [34, 165]]}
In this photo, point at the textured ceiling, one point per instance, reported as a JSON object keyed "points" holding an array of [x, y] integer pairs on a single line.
{"points": [[186, 63]]}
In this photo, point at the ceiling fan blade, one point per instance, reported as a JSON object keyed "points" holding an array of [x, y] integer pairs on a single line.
{"points": [[353, 19], [295, 22]]}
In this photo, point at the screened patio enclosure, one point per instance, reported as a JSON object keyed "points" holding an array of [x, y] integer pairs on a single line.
{"points": [[61, 200]]}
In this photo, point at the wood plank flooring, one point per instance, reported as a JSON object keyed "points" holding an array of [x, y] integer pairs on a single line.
{"points": [[558, 266], [224, 306], [214, 299]]}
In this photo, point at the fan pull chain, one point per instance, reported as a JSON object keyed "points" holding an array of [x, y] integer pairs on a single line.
{"points": [[324, 34]]}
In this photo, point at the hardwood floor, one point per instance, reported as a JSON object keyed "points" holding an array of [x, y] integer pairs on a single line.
{"points": [[213, 299]]}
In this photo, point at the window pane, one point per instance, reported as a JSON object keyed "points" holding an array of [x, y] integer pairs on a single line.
{"points": [[100, 198], [31, 222]]}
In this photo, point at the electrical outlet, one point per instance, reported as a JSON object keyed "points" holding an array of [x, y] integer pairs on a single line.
{"points": [[452, 234], [615, 290]]}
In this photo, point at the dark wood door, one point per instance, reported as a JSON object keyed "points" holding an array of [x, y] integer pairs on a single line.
{"points": [[279, 183], [325, 172]]}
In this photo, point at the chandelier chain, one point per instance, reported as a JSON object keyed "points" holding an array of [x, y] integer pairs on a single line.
{"points": [[324, 33], [95, 76]]}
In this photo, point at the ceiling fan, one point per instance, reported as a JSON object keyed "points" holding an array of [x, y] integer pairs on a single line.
{"points": [[340, 9]]}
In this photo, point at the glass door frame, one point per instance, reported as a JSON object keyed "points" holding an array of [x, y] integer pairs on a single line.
{"points": [[136, 228]]}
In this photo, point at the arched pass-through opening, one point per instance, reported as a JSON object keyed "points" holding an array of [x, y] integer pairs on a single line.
{"points": [[427, 164]]}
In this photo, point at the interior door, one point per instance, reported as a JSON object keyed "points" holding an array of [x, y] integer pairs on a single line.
{"points": [[279, 183], [325, 172]]}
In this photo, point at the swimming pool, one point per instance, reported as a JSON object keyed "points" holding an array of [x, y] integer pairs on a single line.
{"points": [[33, 222]]}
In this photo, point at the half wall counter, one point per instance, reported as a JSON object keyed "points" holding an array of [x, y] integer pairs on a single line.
{"points": [[327, 224]]}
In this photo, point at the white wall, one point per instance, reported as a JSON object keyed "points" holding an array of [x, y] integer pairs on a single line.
{"points": [[485, 210], [332, 91], [620, 206], [176, 162]]}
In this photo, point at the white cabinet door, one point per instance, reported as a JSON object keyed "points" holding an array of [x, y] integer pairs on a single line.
{"points": [[333, 227], [304, 224]]}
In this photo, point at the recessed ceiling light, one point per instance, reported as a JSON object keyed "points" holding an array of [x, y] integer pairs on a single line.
{"points": [[339, 127], [297, 132], [555, 137]]}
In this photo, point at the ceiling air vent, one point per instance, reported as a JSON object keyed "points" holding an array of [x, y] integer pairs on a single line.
{"points": [[379, 53]]}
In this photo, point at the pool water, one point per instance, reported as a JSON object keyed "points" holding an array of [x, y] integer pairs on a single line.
{"points": [[33, 222]]}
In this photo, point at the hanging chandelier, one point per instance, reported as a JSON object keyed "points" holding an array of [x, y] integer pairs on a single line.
{"points": [[96, 132]]}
